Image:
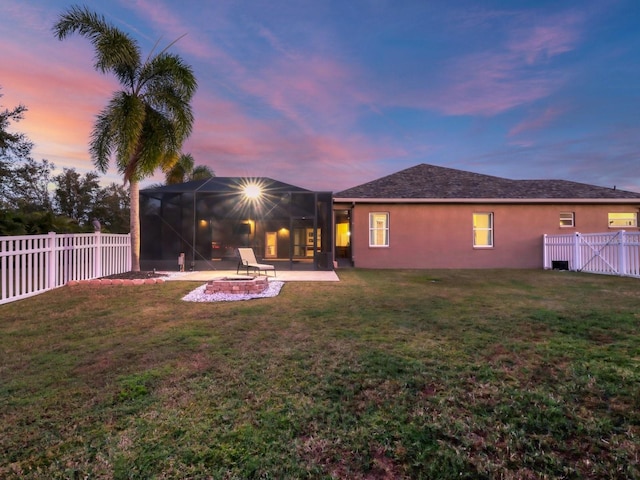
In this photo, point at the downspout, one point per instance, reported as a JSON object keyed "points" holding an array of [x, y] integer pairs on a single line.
{"points": [[351, 255], [290, 231], [316, 257], [193, 241]]}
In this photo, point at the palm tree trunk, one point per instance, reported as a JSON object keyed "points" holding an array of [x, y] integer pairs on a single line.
{"points": [[134, 223]]}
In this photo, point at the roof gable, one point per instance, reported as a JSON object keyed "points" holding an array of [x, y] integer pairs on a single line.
{"points": [[432, 182]]}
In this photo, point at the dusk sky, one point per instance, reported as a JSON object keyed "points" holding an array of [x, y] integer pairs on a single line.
{"points": [[328, 94]]}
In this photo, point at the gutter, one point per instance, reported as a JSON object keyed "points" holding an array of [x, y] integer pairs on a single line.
{"points": [[602, 201]]}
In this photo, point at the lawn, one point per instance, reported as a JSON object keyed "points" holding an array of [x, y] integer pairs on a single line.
{"points": [[384, 375]]}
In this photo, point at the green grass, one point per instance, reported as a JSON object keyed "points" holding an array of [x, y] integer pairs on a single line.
{"points": [[386, 374]]}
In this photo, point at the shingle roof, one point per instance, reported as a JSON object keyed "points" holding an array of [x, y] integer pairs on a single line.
{"points": [[432, 182]]}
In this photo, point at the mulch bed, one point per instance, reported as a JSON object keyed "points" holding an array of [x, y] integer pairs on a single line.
{"points": [[126, 278], [134, 276]]}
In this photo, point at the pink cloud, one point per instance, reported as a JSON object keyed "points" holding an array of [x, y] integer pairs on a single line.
{"points": [[301, 87], [168, 21], [234, 144], [536, 122], [515, 73], [62, 99], [547, 37], [275, 42], [309, 91], [285, 114], [30, 17], [226, 135], [293, 108], [488, 84]]}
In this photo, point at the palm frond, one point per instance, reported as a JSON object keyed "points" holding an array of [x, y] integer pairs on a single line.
{"points": [[128, 114], [151, 52], [202, 172], [102, 141], [114, 50], [166, 69], [158, 142], [144, 124], [117, 130], [175, 175], [185, 170]]}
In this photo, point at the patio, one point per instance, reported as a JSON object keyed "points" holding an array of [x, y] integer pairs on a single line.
{"points": [[282, 275]]}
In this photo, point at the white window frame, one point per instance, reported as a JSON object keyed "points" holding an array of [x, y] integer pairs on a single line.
{"points": [[483, 229], [623, 219], [567, 217], [375, 229]]}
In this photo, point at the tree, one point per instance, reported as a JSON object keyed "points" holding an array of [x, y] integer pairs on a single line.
{"points": [[112, 209], [81, 199], [13, 144], [27, 187], [185, 170], [76, 196], [28, 223], [145, 124]]}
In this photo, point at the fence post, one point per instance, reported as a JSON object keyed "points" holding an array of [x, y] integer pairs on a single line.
{"points": [[51, 261], [4, 277], [544, 251], [97, 255], [622, 254], [577, 261]]}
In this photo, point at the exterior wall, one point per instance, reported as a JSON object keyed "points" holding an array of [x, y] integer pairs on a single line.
{"points": [[441, 235]]}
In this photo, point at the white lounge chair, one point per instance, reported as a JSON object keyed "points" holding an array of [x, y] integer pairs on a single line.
{"points": [[248, 261]]}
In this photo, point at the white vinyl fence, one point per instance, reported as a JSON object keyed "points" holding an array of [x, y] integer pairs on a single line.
{"points": [[32, 264], [616, 253]]}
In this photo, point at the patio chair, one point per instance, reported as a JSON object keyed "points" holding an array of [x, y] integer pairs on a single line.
{"points": [[248, 261]]}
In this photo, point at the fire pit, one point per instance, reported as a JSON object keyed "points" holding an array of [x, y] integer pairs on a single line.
{"points": [[237, 284]]}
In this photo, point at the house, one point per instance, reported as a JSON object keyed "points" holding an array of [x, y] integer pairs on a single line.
{"points": [[434, 217], [203, 222]]}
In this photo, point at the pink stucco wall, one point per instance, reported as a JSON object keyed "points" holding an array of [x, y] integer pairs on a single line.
{"points": [[441, 235]]}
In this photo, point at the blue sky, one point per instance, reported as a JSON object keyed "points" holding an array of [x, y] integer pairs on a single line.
{"points": [[327, 95]]}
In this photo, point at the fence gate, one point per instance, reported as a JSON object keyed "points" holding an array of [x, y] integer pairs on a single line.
{"points": [[614, 253]]}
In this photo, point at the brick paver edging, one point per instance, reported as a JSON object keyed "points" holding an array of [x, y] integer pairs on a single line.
{"points": [[116, 281]]}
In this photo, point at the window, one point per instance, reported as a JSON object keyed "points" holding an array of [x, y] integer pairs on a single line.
{"points": [[483, 230], [378, 229], [617, 220], [567, 219]]}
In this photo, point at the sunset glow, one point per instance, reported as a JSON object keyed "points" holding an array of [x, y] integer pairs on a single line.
{"points": [[328, 95]]}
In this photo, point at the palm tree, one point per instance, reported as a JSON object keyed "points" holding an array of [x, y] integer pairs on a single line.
{"points": [[185, 170], [146, 122]]}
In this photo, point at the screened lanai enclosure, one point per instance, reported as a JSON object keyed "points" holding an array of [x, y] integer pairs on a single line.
{"points": [[205, 221]]}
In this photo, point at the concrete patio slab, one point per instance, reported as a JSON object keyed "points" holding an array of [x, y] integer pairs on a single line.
{"points": [[282, 275]]}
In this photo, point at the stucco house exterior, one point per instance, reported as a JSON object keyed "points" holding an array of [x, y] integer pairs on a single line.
{"points": [[428, 216]]}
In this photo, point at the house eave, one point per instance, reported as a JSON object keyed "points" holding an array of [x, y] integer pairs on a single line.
{"points": [[489, 200]]}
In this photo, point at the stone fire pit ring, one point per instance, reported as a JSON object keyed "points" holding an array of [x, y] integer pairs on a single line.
{"points": [[237, 285]]}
